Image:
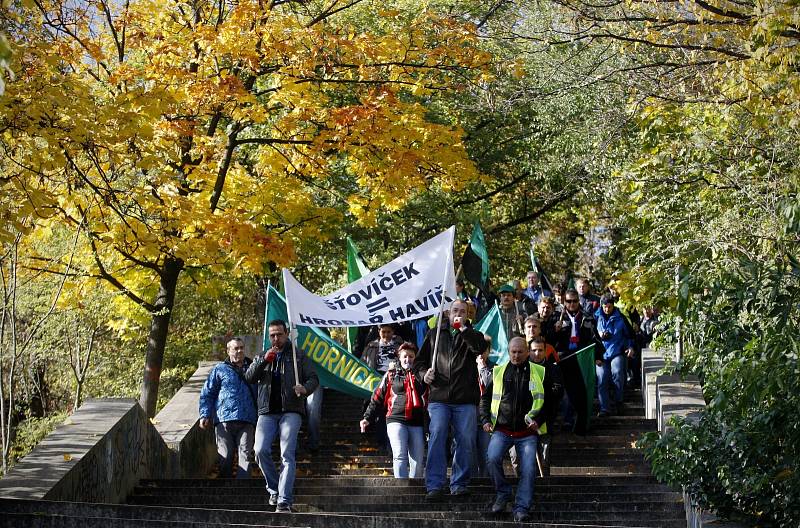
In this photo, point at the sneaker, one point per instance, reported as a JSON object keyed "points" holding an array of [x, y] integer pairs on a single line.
{"points": [[460, 492], [434, 495], [499, 505], [603, 414], [521, 516], [273, 499], [283, 507]]}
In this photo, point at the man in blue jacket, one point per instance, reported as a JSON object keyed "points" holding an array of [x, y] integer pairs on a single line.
{"points": [[229, 402], [618, 342]]}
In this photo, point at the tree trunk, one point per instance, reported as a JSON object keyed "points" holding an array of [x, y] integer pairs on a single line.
{"points": [[157, 340]]}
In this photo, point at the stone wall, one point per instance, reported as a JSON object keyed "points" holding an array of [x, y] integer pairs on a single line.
{"points": [[97, 455], [178, 424], [102, 451]]}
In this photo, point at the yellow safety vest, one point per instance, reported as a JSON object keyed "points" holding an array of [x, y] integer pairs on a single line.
{"points": [[536, 386]]}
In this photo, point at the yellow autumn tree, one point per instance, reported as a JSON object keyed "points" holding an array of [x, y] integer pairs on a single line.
{"points": [[219, 135]]}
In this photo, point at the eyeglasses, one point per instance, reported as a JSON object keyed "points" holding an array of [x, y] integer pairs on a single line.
{"points": [[570, 300]]}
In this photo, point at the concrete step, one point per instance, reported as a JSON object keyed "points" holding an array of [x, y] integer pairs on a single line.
{"points": [[38, 520], [481, 504], [16, 513], [361, 493], [476, 502], [569, 518], [372, 482]]}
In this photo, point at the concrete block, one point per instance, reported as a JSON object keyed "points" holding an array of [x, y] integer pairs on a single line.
{"points": [[178, 424], [98, 454], [677, 397], [652, 364]]}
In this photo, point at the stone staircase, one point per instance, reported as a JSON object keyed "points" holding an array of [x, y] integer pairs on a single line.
{"points": [[599, 480]]}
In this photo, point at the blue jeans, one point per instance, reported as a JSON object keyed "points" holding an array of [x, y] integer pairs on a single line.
{"points": [[286, 426], [479, 457], [463, 417], [526, 455], [408, 449], [314, 412], [230, 436], [613, 371]]}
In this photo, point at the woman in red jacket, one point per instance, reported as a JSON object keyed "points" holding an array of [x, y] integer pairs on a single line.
{"points": [[403, 397]]}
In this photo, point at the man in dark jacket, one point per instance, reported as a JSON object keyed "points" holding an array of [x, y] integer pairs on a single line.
{"points": [[228, 402], [280, 410], [539, 356], [514, 407], [575, 331], [589, 301], [454, 396]]}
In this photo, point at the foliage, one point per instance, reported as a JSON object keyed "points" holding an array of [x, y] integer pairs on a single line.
{"points": [[707, 190], [32, 431], [222, 135]]}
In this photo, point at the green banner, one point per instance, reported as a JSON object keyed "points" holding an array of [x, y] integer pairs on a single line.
{"points": [[336, 368], [492, 325]]}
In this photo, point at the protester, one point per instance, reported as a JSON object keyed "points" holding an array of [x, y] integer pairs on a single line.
{"points": [[280, 410], [455, 392], [535, 291], [480, 458], [533, 330], [574, 331], [538, 355], [381, 352], [379, 355], [589, 301], [513, 408], [228, 402], [523, 301], [558, 298], [314, 415], [402, 397], [512, 314], [647, 330], [472, 302], [548, 319], [618, 343]]}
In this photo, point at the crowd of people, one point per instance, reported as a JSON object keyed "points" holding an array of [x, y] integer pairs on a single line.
{"points": [[437, 377]]}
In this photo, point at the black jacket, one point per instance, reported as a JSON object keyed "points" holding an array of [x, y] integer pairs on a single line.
{"points": [[394, 391], [260, 372], [587, 335], [516, 400], [456, 370], [555, 382], [370, 356]]}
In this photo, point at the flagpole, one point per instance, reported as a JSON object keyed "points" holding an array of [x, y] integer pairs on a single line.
{"points": [[266, 320], [575, 353], [441, 306], [291, 326]]}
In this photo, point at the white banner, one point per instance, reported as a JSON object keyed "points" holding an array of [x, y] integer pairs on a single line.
{"points": [[409, 287]]}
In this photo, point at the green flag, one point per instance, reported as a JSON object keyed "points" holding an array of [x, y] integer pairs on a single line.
{"points": [[579, 375], [356, 268], [544, 282], [492, 325], [335, 367], [475, 261]]}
